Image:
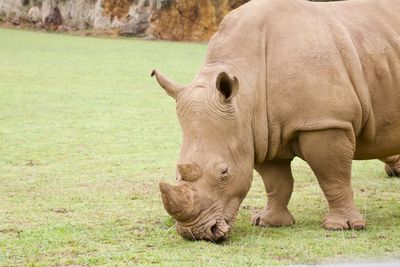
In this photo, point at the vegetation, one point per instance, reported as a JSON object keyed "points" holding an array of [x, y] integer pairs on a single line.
{"points": [[85, 136]]}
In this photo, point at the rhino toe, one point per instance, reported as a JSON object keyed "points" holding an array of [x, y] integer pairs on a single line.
{"points": [[344, 221], [392, 170], [392, 166], [273, 218]]}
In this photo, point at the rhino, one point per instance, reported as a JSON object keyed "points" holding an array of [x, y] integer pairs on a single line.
{"points": [[285, 79]]}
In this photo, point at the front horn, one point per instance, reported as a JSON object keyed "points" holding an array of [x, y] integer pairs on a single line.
{"points": [[171, 87], [178, 201]]}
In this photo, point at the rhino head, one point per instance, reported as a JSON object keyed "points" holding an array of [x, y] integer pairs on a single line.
{"points": [[215, 166]]}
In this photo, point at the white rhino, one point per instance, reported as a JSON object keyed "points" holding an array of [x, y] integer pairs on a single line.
{"points": [[285, 79]]}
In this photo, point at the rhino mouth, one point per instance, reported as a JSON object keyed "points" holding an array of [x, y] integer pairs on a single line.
{"points": [[220, 230], [216, 230]]}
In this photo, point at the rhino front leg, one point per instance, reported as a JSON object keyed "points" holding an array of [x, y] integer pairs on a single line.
{"points": [[329, 154], [278, 181], [392, 166]]}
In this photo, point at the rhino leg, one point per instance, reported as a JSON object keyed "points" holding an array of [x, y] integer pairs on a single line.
{"points": [[278, 181], [392, 166], [329, 154]]}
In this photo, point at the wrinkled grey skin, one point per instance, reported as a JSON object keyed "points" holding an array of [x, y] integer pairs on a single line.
{"points": [[285, 79]]}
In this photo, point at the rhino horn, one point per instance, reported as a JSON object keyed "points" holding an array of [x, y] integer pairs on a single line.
{"points": [[189, 172], [171, 87], [177, 201]]}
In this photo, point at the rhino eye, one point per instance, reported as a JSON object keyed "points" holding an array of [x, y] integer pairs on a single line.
{"points": [[223, 170]]}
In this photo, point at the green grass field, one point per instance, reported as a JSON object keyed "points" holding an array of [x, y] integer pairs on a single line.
{"points": [[85, 136]]}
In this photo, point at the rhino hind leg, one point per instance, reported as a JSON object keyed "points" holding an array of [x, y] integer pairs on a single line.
{"points": [[278, 181], [329, 154], [392, 166]]}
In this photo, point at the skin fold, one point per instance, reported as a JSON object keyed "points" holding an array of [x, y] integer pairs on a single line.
{"points": [[285, 79]]}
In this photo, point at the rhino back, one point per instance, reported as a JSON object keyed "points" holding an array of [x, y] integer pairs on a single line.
{"points": [[317, 66]]}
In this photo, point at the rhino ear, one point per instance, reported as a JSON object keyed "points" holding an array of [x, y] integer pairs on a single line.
{"points": [[228, 86], [171, 87]]}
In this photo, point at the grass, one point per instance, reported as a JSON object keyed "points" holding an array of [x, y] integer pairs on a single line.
{"points": [[85, 136]]}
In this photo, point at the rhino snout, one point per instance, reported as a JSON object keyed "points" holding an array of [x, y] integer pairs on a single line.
{"points": [[220, 230], [215, 230]]}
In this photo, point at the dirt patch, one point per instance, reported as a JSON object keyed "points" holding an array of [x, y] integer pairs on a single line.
{"points": [[10, 231], [59, 210]]}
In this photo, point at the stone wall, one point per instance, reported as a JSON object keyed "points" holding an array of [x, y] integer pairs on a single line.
{"points": [[190, 20], [81, 14], [165, 19]]}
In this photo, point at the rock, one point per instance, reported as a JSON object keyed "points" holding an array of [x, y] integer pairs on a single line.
{"points": [[10, 9], [138, 25], [14, 21], [63, 28], [34, 14], [116, 9], [100, 21], [190, 20], [38, 25], [117, 23], [47, 6], [54, 18]]}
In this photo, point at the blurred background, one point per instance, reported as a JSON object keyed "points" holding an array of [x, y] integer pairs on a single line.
{"points": [[182, 20]]}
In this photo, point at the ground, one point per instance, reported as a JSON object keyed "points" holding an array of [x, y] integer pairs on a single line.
{"points": [[85, 137]]}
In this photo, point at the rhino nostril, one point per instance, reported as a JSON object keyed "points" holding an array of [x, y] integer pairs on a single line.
{"points": [[214, 230], [219, 231]]}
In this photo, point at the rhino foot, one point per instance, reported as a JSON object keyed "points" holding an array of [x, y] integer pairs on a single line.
{"points": [[344, 220], [274, 218], [393, 169]]}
